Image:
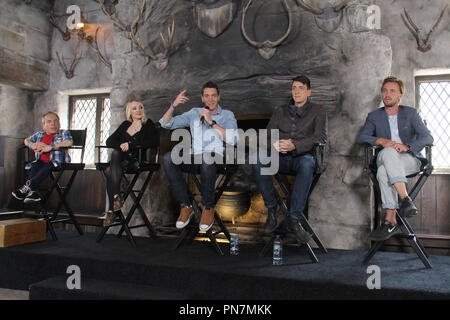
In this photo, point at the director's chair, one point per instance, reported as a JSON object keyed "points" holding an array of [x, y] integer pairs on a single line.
{"points": [[79, 142], [141, 168], [408, 233], [284, 198], [224, 174]]}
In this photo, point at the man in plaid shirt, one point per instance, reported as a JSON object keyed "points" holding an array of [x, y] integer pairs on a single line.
{"points": [[46, 145]]}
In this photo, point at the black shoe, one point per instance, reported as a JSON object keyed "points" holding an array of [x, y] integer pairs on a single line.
{"points": [[32, 196], [21, 193], [300, 233], [407, 208], [272, 219], [384, 232]]}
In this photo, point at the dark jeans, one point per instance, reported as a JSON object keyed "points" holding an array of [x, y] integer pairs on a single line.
{"points": [[174, 174], [303, 168], [38, 172]]}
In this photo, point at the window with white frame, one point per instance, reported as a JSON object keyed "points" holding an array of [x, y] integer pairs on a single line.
{"points": [[94, 113], [433, 97]]}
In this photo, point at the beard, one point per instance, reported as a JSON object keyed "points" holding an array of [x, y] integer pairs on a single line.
{"points": [[391, 104]]}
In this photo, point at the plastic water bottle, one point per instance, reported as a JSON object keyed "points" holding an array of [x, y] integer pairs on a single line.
{"points": [[234, 243], [277, 251]]}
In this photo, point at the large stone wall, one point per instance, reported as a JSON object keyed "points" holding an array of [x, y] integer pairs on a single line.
{"points": [[346, 68]]}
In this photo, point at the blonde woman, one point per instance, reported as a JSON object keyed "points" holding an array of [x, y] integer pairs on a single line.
{"points": [[136, 130]]}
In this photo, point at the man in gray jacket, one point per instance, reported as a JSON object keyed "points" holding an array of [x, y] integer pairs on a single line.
{"points": [[401, 134]]}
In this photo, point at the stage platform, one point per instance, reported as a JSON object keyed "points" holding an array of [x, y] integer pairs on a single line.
{"points": [[113, 269]]}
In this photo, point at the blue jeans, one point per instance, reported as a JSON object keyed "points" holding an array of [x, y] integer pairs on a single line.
{"points": [[302, 167], [174, 174]]}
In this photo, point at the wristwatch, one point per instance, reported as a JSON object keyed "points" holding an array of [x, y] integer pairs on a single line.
{"points": [[409, 148], [213, 123]]}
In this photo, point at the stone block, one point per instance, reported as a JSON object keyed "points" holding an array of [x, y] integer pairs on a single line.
{"points": [[12, 40]]}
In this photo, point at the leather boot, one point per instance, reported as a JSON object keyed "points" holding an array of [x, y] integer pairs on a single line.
{"points": [[272, 219], [300, 233]]}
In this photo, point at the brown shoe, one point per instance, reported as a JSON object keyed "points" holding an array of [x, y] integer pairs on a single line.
{"points": [[109, 218], [186, 213], [207, 219], [118, 202]]}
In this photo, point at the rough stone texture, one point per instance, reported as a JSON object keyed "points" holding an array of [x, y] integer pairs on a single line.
{"points": [[346, 69]]}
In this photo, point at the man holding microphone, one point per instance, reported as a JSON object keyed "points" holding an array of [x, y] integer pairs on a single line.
{"points": [[210, 127]]}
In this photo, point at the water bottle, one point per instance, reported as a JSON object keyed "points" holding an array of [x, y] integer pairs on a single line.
{"points": [[234, 243], [277, 251]]}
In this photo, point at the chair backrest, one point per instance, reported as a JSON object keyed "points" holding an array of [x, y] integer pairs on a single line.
{"points": [[79, 141], [153, 153]]}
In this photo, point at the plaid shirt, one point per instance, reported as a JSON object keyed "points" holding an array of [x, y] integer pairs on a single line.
{"points": [[56, 156]]}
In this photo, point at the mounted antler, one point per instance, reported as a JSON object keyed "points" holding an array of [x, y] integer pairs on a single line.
{"points": [[65, 34], [69, 71], [267, 48], [94, 45], [423, 40], [317, 10], [327, 19], [161, 59]]}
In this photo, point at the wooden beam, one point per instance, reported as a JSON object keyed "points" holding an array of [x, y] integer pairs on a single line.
{"points": [[23, 72]]}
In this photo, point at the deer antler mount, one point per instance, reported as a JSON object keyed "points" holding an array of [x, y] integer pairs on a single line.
{"points": [[327, 19], [70, 68], [159, 60], [423, 39], [267, 48]]}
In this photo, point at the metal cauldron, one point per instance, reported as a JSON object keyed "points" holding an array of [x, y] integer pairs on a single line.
{"points": [[233, 203]]}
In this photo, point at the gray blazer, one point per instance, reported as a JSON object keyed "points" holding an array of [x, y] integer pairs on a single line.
{"points": [[411, 129]]}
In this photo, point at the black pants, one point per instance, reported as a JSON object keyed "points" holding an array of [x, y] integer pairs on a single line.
{"points": [[114, 173], [38, 172]]}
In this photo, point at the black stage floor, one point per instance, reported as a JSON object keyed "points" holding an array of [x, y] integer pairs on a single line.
{"points": [[113, 269]]}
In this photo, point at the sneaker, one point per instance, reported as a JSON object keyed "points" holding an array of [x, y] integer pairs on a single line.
{"points": [[110, 216], [21, 193], [186, 213], [301, 234], [384, 232], [272, 219], [407, 208], [32, 196], [207, 220], [118, 202]]}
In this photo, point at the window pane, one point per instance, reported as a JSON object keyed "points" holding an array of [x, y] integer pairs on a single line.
{"points": [[105, 126], [83, 116], [435, 109]]}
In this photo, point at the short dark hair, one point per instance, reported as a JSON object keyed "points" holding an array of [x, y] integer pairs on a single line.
{"points": [[303, 79], [210, 84]]}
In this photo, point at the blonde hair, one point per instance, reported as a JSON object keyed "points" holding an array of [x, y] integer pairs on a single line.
{"points": [[128, 110], [395, 80]]}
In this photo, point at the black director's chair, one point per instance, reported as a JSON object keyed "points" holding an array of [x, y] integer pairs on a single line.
{"points": [[426, 169], [137, 169], [79, 141], [188, 234], [283, 200]]}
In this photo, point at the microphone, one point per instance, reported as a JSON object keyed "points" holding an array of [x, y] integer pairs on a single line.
{"points": [[202, 118]]}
